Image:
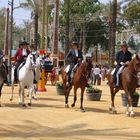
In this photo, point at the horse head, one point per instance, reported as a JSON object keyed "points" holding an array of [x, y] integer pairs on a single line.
{"points": [[137, 63], [89, 65], [31, 59]]}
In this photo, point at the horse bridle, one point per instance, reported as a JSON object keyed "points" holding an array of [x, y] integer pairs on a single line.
{"points": [[34, 60]]}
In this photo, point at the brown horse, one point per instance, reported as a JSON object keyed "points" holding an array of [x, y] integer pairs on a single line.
{"points": [[128, 83], [80, 80]]}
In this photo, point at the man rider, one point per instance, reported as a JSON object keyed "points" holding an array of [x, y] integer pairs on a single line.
{"points": [[74, 56], [21, 54], [123, 57]]}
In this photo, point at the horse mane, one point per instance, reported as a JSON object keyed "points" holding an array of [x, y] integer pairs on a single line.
{"points": [[84, 68], [131, 64]]}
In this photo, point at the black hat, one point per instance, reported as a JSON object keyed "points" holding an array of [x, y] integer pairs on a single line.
{"points": [[75, 43], [23, 43]]}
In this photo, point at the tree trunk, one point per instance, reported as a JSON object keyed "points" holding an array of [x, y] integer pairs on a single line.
{"points": [[55, 33], [36, 31], [43, 25], [113, 31], [67, 8], [46, 26]]}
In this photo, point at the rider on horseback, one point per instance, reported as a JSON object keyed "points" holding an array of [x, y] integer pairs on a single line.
{"points": [[123, 57], [74, 57], [20, 56]]}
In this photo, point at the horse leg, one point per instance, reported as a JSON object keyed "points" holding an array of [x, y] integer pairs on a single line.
{"points": [[34, 92], [31, 88], [20, 102], [130, 111], [67, 92], [0, 94], [113, 93], [12, 85], [21, 95], [82, 94], [75, 97], [11, 99]]}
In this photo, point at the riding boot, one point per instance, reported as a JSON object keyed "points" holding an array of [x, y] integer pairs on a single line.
{"points": [[15, 75], [69, 80]]}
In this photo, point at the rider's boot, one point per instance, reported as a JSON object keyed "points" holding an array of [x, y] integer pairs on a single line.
{"points": [[69, 81]]}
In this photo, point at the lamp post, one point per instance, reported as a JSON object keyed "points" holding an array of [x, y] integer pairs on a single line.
{"points": [[6, 33], [10, 41]]}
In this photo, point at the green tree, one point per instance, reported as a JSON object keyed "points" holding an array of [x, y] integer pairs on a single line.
{"points": [[132, 14], [34, 5], [73, 22]]}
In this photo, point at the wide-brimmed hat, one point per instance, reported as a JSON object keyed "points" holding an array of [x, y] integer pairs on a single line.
{"points": [[23, 43], [75, 43], [124, 44]]}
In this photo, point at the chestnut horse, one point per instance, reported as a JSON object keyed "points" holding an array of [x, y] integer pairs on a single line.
{"points": [[79, 80], [128, 83]]}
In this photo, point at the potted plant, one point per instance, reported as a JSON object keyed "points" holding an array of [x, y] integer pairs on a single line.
{"points": [[135, 99], [93, 94], [60, 88]]}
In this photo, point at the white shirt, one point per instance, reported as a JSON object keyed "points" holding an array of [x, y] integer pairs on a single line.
{"points": [[24, 52], [97, 71], [76, 52]]}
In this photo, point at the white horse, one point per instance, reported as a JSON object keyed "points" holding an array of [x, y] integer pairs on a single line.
{"points": [[25, 77]]}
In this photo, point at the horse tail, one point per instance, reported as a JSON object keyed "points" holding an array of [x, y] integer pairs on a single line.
{"points": [[12, 82]]}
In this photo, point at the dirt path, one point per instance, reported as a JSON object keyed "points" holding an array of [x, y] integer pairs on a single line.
{"points": [[47, 119]]}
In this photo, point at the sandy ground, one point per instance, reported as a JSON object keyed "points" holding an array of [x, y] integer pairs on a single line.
{"points": [[47, 119]]}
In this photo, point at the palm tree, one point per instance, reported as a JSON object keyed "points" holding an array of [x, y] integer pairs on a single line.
{"points": [[34, 5]]}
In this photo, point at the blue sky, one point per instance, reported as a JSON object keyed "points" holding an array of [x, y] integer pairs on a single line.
{"points": [[21, 14]]}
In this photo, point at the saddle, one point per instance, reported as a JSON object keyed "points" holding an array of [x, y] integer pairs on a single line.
{"points": [[67, 68]]}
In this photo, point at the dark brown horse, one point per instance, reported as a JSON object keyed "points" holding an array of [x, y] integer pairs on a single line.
{"points": [[128, 83], [80, 80], [3, 75]]}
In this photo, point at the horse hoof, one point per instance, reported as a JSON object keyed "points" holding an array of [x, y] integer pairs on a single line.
{"points": [[127, 114], [132, 115], [35, 98], [20, 103], [114, 112], [29, 104], [23, 105], [82, 110], [72, 105], [66, 106], [110, 109]]}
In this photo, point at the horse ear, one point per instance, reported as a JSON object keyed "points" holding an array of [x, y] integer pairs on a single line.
{"points": [[88, 60], [138, 56]]}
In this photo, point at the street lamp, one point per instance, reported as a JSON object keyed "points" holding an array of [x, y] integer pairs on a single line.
{"points": [[10, 41]]}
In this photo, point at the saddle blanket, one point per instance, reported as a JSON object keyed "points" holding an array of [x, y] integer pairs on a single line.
{"points": [[67, 68], [112, 72]]}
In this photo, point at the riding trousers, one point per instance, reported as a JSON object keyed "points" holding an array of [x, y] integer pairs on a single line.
{"points": [[117, 75]]}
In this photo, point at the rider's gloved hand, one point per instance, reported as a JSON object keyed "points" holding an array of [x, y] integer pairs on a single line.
{"points": [[121, 63], [127, 62]]}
